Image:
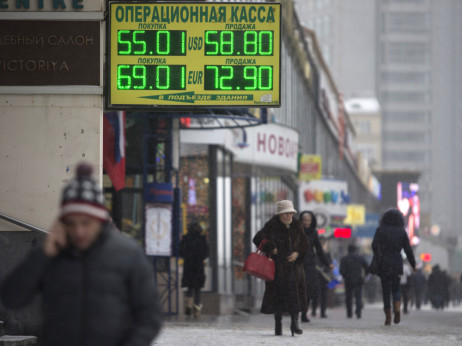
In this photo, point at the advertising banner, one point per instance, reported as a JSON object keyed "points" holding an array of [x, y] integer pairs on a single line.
{"points": [[328, 198], [310, 167], [158, 233], [356, 214]]}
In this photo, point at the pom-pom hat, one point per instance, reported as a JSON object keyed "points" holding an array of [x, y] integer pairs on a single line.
{"points": [[284, 206], [82, 195]]}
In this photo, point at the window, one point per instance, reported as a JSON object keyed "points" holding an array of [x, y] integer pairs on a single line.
{"points": [[404, 156], [406, 77], [414, 137], [406, 116], [405, 52], [405, 96], [419, 2], [363, 127], [405, 22]]}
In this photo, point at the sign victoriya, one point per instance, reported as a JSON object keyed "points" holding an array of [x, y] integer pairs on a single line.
{"points": [[193, 54]]}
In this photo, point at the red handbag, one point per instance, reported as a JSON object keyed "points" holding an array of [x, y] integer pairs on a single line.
{"points": [[259, 265]]}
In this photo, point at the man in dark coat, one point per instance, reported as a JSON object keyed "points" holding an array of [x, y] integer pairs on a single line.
{"points": [[287, 244], [419, 286], [353, 268], [389, 239], [437, 286], [97, 286], [194, 249]]}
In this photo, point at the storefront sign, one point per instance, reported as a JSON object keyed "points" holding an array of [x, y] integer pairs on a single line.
{"points": [[193, 54], [49, 53], [368, 229], [268, 145], [356, 214], [43, 5], [310, 167], [158, 193], [264, 145], [329, 196]]}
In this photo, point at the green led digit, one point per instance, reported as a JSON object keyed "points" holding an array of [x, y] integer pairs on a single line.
{"points": [[121, 42], [163, 82], [142, 50], [265, 40], [215, 68], [183, 42], [265, 79], [250, 43], [226, 42], [213, 43], [124, 80], [250, 74], [139, 73], [183, 77], [225, 78], [166, 35]]}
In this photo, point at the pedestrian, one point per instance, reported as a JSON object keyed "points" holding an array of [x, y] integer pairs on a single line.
{"points": [[194, 249], [437, 287], [324, 273], [353, 268], [389, 239], [405, 285], [315, 251], [97, 285], [447, 285], [287, 244], [419, 286]]}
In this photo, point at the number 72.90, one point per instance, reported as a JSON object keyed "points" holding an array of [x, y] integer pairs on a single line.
{"points": [[226, 77]]}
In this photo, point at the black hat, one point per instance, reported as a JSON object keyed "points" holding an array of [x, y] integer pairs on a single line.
{"points": [[83, 195]]}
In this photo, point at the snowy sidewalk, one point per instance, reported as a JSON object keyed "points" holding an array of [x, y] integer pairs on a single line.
{"points": [[425, 327]]}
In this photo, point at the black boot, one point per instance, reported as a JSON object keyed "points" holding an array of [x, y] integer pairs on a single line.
{"points": [[305, 317], [278, 323], [294, 325]]}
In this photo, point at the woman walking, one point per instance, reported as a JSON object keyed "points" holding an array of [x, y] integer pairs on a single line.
{"points": [[312, 277], [390, 238], [194, 250], [287, 245]]}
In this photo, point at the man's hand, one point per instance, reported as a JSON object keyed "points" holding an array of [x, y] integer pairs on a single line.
{"points": [[275, 251], [56, 240], [293, 257]]}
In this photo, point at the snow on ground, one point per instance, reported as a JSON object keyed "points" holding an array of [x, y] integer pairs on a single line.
{"points": [[425, 327]]}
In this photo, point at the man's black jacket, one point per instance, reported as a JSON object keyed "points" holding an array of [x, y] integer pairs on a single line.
{"points": [[104, 296]]}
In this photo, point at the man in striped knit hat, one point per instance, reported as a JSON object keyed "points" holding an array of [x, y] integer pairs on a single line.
{"points": [[96, 284]]}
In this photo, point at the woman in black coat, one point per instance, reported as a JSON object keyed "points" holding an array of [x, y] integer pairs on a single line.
{"points": [[313, 283], [287, 245], [194, 250], [390, 238]]}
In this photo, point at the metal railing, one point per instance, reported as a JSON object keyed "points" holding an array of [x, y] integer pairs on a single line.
{"points": [[22, 224]]}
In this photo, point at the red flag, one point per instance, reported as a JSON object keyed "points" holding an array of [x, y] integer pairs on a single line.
{"points": [[114, 147]]}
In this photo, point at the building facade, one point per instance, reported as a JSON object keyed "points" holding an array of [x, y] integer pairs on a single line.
{"points": [[408, 56]]}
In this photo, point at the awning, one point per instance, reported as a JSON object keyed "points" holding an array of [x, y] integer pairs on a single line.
{"points": [[213, 118]]}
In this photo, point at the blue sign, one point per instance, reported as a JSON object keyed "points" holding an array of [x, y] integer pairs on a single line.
{"points": [[368, 229], [158, 193]]}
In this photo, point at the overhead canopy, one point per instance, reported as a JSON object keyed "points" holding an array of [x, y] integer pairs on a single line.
{"points": [[213, 118]]}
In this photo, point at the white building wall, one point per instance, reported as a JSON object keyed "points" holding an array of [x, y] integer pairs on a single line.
{"points": [[46, 130], [42, 137]]}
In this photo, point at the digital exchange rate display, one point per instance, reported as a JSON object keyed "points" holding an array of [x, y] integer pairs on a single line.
{"points": [[197, 54]]}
